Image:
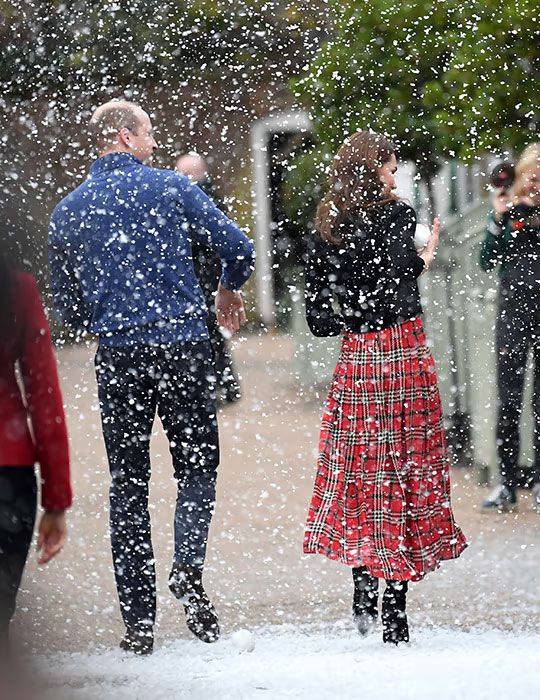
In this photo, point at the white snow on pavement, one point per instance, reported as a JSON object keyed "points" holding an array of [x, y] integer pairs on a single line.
{"points": [[309, 662]]}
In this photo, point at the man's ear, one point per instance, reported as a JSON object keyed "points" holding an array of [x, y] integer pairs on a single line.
{"points": [[124, 137]]}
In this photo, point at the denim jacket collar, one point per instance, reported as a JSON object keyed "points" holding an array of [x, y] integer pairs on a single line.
{"points": [[113, 161]]}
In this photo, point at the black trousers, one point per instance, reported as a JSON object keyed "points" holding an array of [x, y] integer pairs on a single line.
{"points": [[227, 383], [517, 332], [177, 381], [18, 502]]}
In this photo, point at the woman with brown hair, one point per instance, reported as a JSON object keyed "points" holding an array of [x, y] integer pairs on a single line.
{"points": [[381, 502]]}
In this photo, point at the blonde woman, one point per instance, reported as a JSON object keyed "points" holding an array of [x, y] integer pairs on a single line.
{"points": [[512, 244]]}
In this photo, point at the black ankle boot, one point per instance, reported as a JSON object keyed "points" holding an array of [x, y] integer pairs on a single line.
{"points": [[139, 639], [185, 583], [364, 607], [394, 617]]}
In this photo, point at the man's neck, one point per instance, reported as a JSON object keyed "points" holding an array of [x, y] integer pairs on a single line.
{"points": [[108, 151]]}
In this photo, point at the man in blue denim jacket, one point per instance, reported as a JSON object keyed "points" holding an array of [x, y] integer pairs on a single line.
{"points": [[121, 267]]}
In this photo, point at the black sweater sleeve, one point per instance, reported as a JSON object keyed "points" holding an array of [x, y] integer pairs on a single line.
{"points": [[404, 260], [319, 290]]}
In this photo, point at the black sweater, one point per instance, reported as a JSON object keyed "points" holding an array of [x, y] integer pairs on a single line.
{"points": [[371, 274]]}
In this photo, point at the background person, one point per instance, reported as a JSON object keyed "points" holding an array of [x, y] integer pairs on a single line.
{"points": [[207, 265], [381, 501], [512, 244], [26, 344], [121, 267]]}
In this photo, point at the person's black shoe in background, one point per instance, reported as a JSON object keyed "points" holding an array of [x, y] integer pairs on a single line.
{"points": [[501, 500]]}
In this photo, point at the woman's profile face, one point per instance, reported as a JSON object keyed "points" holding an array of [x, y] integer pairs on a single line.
{"points": [[387, 174]]}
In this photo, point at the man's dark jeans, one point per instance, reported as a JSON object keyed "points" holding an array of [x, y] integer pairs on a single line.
{"points": [[179, 382]]}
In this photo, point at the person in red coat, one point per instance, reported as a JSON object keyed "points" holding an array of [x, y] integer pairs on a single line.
{"points": [[32, 429]]}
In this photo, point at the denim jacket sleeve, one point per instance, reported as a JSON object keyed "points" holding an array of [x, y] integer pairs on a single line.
{"points": [[65, 285], [211, 227]]}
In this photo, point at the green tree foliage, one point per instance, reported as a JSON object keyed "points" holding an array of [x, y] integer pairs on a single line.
{"points": [[488, 98], [442, 79], [373, 73]]}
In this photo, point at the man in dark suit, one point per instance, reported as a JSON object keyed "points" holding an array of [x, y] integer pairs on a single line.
{"points": [[208, 270]]}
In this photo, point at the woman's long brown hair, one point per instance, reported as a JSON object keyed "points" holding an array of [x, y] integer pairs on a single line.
{"points": [[354, 183]]}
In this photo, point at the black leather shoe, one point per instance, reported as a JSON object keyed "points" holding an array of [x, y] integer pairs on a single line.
{"points": [[364, 607], [501, 500], [394, 617], [185, 583], [138, 639]]}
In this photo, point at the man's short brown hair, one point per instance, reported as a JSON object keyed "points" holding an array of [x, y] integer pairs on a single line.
{"points": [[110, 118]]}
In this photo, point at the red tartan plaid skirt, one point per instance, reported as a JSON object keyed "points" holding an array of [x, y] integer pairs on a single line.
{"points": [[382, 490]]}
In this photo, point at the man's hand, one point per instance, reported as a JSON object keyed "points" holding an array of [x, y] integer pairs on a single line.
{"points": [[229, 309], [51, 535]]}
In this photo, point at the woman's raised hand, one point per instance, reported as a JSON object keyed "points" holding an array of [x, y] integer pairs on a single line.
{"points": [[430, 250]]}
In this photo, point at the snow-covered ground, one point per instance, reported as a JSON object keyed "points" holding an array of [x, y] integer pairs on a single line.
{"points": [[475, 623], [309, 662]]}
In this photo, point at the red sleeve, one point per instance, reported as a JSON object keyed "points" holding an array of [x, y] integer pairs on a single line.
{"points": [[44, 399]]}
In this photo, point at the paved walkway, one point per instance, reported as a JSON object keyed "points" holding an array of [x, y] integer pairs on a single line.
{"points": [[256, 572]]}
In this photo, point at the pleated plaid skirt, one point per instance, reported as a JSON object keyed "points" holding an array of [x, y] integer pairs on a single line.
{"points": [[382, 490]]}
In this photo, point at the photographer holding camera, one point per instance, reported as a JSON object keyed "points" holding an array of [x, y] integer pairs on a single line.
{"points": [[512, 243]]}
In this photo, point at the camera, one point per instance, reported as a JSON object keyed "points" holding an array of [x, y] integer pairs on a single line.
{"points": [[503, 175]]}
